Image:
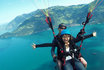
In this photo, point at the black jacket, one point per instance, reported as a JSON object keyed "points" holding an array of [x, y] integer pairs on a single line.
{"points": [[57, 42]]}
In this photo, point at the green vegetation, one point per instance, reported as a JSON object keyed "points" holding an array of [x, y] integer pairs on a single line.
{"points": [[34, 22]]}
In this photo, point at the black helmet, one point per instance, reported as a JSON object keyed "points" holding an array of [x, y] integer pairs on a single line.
{"points": [[62, 26]]}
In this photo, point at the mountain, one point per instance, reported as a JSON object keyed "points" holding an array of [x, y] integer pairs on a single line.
{"points": [[3, 28], [17, 21], [34, 22]]}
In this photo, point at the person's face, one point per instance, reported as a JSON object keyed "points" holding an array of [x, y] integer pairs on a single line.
{"points": [[66, 38], [60, 29]]}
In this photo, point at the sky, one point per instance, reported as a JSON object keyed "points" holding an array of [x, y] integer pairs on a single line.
{"points": [[9, 9]]}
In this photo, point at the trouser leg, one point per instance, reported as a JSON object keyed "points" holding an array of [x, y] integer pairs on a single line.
{"points": [[68, 66], [79, 65]]}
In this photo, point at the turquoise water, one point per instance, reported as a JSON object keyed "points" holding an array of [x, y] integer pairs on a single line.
{"points": [[17, 53]]}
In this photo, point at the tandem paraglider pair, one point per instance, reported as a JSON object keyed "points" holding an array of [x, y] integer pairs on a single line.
{"points": [[67, 51]]}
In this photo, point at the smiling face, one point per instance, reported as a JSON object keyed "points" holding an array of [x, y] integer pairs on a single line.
{"points": [[66, 38]]}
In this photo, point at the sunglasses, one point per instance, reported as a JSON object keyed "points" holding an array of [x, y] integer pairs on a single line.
{"points": [[63, 28]]}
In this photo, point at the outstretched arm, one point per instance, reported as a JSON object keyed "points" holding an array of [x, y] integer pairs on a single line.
{"points": [[81, 37], [91, 35], [42, 45], [53, 44]]}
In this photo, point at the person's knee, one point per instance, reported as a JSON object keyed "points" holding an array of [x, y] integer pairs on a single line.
{"points": [[59, 64], [85, 64], [83, 61]]}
